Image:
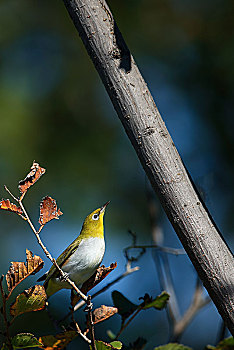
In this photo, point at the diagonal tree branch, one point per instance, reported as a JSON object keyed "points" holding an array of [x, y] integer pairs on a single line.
{"points": [[158, 155]]}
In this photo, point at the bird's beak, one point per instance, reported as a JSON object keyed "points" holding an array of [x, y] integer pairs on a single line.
{"points": [[104, 207]]}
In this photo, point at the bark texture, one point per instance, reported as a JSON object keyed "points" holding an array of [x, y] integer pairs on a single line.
{"points": [[147, 132]]}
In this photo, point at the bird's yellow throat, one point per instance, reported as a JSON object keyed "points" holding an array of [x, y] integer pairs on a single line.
{"points": [[93, 227]]}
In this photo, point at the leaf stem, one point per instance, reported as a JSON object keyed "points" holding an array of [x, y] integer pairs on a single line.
{"points": [[91, 324], [130, 320], [197, 303], [78, 328], [7, 189]]}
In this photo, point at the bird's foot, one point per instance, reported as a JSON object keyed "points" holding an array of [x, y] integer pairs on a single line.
{"points": [[88, 307], [64, 277]]}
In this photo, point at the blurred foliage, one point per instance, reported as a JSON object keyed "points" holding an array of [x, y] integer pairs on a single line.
{"points": [[55, 110]]}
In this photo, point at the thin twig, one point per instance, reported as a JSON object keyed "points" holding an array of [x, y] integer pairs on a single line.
{"points": [[176, 322], [7, 189], [4, 314], [49, 256], [163, 286], [86, 299], [167, 250], [90, 321], [170, 288], [78, 328], [128, 271], [82, 334], [197, 303], [127, 323], [161, 261]]}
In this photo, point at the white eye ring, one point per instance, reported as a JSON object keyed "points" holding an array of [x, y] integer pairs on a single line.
{"points": [[95, 216]]}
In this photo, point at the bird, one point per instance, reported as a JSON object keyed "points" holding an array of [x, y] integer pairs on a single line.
{"points": [[82, 257]]}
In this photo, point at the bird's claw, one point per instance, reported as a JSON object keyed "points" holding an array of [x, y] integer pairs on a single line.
{"points": [[64, 277], [88, 307]]}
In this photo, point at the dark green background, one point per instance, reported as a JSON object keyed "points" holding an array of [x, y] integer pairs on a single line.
{"points": [[55, 110]]}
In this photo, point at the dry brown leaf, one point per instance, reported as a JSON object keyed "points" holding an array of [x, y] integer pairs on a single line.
{"points": [[96, 278], [48, 210], [58, 341], [103, 313], [7, 205], [32, 299], [32, 177], [18, 271]]}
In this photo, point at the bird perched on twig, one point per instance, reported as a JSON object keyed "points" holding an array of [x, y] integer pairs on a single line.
{"points": [[82, 257]]}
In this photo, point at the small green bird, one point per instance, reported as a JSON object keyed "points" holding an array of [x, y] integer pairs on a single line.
{"points": [[83, 256]]}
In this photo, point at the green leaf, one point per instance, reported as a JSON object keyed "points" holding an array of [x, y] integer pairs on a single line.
{"points": [[33, 299], [100, 345], [4, 347], [159, 302], [226, 344], [116, 344], [173, 346], [25, 340], [125, 306]]}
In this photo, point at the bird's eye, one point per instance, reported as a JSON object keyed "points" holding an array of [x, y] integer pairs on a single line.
{"points": [[95, 216]]}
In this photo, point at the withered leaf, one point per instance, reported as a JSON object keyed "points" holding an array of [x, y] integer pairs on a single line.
{"points": [[32, 299], [58, 341], [48, 210], [103, 313], [96, 278], [7, 205], [32, 177], [18, 271]]}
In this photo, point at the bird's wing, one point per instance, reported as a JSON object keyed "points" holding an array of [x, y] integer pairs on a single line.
{"points": [[53, 272]]}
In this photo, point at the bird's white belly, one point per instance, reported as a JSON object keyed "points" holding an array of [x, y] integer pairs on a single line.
{"points": [[84, 261]]}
